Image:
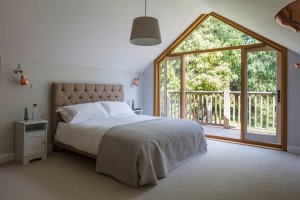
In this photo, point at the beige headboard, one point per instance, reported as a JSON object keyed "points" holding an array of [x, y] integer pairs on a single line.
{"points": [[64, 94]]}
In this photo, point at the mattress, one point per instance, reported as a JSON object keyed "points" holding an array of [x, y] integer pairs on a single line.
{"points": [[86, 135]]}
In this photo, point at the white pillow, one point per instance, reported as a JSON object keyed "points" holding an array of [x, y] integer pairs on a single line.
{"points": [[67, 115], [117, 108], [81, 112]]}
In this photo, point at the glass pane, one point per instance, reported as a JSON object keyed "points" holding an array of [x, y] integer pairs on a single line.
{"points": [[214, 33], [170, 88], [261, 88], [213, 91]]}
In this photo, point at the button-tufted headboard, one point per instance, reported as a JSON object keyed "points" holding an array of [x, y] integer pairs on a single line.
{"points": [[64, 94]]}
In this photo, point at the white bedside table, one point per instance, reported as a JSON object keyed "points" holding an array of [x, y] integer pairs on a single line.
{"points": [[138, 111], [30, 140]]}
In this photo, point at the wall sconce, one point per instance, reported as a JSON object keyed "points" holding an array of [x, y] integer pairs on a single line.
{"points": [[23, 79], [136, 80]]}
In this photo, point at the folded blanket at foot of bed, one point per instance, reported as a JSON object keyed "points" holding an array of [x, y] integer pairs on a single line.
{"points": [[138, 154]]}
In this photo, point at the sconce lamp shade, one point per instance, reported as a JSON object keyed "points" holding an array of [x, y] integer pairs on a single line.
{"points": [[145, 31], [136, 82], [24, 80]]}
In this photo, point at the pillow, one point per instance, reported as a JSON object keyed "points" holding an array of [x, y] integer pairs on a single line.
{"points": [[117, 108], [66, 115], [81, 112]]}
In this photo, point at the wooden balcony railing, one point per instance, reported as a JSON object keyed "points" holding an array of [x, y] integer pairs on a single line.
{"points": [[222, 108]]}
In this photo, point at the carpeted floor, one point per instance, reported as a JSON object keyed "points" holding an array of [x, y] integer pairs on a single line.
{"points": [[227, 171]]}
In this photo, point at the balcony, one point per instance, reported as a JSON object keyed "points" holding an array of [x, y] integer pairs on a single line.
{"points": [[220, 112]]}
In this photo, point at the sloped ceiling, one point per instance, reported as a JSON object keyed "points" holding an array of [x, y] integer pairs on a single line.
{"points": [[95, 33]]}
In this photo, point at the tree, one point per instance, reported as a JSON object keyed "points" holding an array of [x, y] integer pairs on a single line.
{"points": [[221, 70]]}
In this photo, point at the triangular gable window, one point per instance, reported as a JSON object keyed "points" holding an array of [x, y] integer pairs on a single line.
{"points": [[213, 33]]}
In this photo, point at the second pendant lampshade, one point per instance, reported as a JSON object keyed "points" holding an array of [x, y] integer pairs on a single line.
{"points": [[145, 31], [290, 16]]}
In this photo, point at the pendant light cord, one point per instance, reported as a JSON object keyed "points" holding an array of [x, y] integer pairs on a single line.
{"points": [[145, 7]]}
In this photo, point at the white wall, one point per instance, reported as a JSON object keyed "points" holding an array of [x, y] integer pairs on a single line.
{"points": [[91, 33], [14, 98], [148, 77], [293, 103], [293, 110]]}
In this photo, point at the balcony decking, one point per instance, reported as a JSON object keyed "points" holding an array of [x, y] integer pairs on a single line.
{"points": [[221, 132], [233, 132]]}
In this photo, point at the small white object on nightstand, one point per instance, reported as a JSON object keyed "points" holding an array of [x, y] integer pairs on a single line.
{"points": [[138, 111], [30, 140]]}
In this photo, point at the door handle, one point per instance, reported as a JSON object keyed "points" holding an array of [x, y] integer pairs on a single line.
{"points": [[278, 96]]}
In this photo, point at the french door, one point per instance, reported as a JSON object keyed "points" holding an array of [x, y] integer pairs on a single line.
{"points": [[170, 87], [250, 114], [261, 108]]}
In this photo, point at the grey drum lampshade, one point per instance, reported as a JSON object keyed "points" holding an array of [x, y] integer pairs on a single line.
{"points": [[145, 31]]}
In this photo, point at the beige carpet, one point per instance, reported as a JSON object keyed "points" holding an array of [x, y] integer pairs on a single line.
{"points": [[227, 171]]}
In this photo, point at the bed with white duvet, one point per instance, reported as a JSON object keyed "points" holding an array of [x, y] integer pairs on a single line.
{"points": [[134, 149], [86, 135]]}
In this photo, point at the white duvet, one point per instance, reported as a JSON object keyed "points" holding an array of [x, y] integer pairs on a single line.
{"points": [[86, 135]]}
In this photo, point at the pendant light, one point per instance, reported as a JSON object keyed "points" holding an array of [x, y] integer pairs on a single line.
{"points": [[289, 16], [145, 31]]}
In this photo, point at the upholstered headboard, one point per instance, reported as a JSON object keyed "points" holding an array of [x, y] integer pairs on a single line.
{"points": [[64, 94]]}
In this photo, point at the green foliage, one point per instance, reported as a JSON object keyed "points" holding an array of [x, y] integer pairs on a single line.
{"points": [[214, 33], [262, 71], [218, 71], [173, 75], [207, 72]]}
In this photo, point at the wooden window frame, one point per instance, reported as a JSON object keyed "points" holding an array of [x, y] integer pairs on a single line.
{"points": [[265, 42]]}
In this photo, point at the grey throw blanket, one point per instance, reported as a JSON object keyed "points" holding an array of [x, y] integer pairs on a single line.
{"points": [[139, 153]]}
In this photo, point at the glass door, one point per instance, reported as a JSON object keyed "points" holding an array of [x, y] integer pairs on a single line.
{"points": [[262, 96], [170, 84], [212, 92]]}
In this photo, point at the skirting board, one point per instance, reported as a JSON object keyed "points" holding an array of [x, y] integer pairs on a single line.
{"points": [[11, 156], [293, 149], [7, 157], [49, 148]]}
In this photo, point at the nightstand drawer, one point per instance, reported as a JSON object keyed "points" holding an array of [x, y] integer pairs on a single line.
{"points": [[35, 143], [35, 134]]}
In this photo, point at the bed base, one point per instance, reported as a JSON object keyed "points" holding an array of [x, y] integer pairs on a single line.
{"points": [[58, 145]]}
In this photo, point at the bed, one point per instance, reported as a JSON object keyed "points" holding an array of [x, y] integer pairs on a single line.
{"points": [[135, 149]]}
